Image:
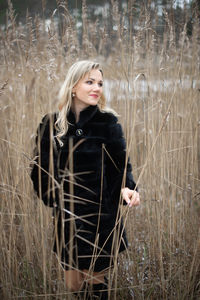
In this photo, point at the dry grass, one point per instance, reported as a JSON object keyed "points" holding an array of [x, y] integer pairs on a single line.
{"points": [[163, 134]]}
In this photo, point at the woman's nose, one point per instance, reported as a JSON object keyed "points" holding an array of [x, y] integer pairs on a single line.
{"points": [[97, 87]]}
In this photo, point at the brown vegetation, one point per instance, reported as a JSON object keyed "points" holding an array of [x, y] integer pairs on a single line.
{"points": [[163, 134]]}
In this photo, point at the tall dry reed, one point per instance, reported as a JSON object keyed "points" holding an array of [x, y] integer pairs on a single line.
{"points": [[153, 83]]}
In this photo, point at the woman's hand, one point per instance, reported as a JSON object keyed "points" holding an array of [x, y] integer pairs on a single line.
{"points": [[131, 197]]}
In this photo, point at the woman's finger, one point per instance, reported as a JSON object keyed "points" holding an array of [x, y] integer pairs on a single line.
{"points": [[135, 200]]}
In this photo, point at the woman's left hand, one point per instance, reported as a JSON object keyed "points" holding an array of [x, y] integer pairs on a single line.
{"points": [[131, 197]]}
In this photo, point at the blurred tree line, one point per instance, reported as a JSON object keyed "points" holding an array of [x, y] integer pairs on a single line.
{"points": [[179, 12]]}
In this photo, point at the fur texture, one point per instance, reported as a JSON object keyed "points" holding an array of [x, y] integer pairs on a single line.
{"points": [[82, 180]]}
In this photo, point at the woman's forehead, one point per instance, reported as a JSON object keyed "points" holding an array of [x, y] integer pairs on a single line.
{"points": [[94, 74]]}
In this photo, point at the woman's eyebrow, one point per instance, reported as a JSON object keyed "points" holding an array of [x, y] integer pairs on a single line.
{"points": [[95, 79]]}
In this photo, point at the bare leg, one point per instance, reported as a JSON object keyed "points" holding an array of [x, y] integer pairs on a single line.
{"points": [[98, 288], [74, 280], [94, 277]]}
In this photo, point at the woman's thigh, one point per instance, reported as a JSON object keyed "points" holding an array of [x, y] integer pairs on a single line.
{"points": [[74, 280], [93, 277]]}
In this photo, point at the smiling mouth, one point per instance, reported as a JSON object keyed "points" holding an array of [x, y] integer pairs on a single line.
{"points": [[94, 95]]}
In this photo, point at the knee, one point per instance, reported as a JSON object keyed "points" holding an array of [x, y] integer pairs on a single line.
{"points": [[73, 286], [73, 283]]}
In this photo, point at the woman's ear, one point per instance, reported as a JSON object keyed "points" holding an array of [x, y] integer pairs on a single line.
{"points": [[74, 90]]}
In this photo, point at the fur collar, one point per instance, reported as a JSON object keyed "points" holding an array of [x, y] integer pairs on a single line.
{"points": [[85, 115]]}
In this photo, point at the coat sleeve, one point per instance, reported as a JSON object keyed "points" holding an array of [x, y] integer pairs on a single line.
{"points": [[119, 169], [44, 170]]}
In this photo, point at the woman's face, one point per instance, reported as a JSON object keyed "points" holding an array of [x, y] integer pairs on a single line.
{"points": [[88, 90]]}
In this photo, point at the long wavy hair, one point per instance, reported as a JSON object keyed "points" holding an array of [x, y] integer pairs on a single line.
{"points": [[76, 72]]}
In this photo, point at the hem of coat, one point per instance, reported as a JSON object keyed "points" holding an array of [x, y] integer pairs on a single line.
{"points": [[98, 267]]}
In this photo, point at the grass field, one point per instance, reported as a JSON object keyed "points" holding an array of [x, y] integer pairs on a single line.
{"points": [[162, 127]]}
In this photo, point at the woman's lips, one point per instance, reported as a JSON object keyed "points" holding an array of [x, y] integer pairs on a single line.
{"points": [[94, 95]]}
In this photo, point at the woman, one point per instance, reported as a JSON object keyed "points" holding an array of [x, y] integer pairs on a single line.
{"points": [[81, 170]]}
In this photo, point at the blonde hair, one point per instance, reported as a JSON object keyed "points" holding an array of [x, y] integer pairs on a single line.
{"points": [[76, 72]]}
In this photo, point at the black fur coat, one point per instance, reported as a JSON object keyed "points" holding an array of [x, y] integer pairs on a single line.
{"points": [[82, 180]]}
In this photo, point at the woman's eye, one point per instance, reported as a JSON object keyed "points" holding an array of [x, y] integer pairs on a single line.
{"points": [[89, 82], [100, 84]]}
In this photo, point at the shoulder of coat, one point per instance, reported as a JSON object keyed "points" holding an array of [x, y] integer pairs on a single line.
{"points": [[47, 123], [108, 115], [50, 117]]}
